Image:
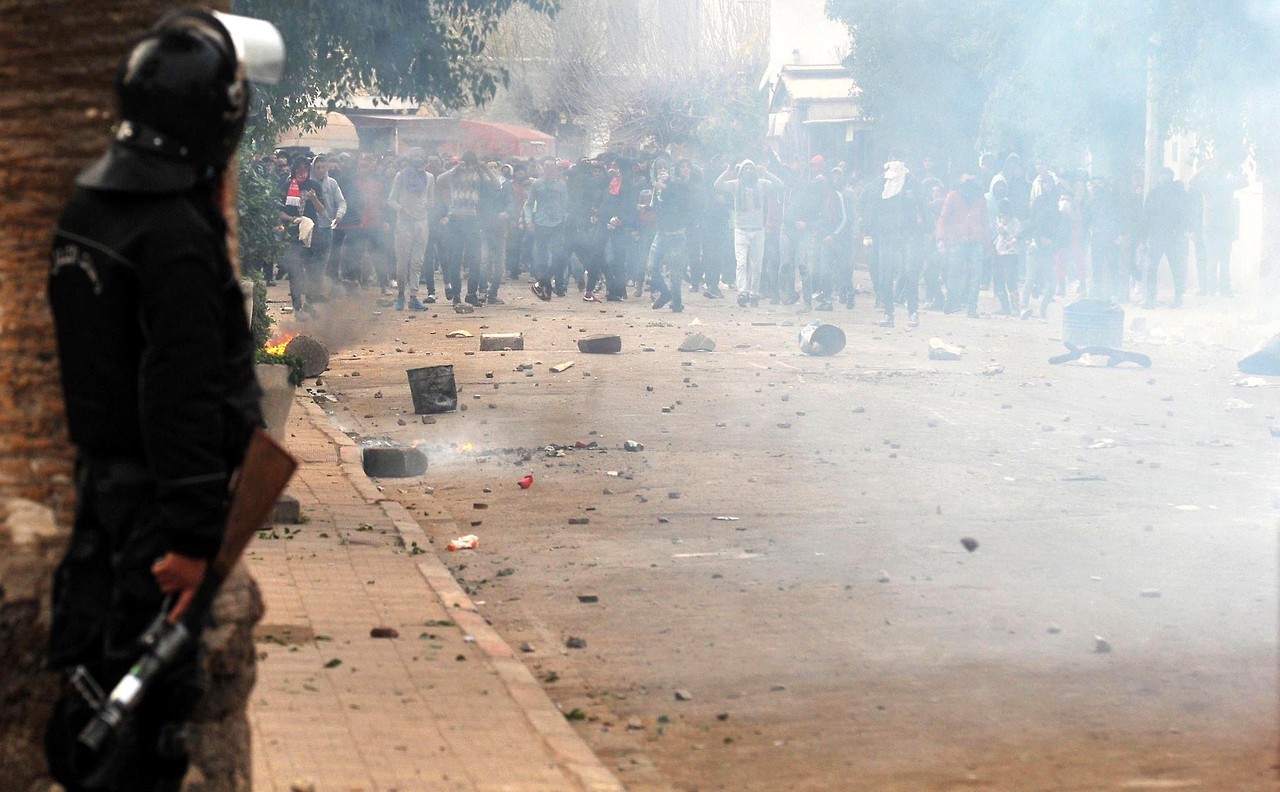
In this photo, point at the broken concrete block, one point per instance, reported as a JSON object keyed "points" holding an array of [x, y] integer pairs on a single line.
{"points": [[561, 367], [600, 344], [941, 350], [497, 342], [394, 462], [697, 342]]}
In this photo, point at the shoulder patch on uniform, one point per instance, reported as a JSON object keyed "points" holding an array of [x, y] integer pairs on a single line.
{"points": [[72, 255]]}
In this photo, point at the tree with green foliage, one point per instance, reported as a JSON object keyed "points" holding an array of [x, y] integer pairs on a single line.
{"points": [[1058, 78], [416, 50]]}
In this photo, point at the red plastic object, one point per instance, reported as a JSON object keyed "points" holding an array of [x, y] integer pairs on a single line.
{"points": [[526, 482]]}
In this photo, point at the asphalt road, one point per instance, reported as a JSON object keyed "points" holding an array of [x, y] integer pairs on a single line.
{"points": [[1114, 628]]}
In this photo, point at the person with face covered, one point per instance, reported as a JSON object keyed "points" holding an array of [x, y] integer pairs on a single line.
{"points": [[750, 190], [412, 196], [963, 233]]}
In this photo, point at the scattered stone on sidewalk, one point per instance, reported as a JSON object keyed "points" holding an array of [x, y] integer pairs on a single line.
{"points": [[673, 495], [479, 505], [1149, 593], [377, 395], [302, 785], [427, 419], [784, 426], [463, 308], [588, 598], [941, 350], [632, 445], [1054, 629], [1101, 645], [561, 367], [579, 520], [635, 724], [396, 462], [697, 342], [527, 647], [401, 422], [969, 543], [1105, 442], [884, 577], [859, 409], [726, 518], [458, 334], [384, 632], [1275, 430], [684, 695], [287, 511], [993, 369], [604, 344], [574, 642], [498, 342]]}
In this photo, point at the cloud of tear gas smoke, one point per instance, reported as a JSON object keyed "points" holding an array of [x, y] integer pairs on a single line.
{"points": [[337, 324]]}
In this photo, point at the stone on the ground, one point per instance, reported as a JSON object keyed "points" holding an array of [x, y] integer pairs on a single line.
{"points": [[684, 695], [314, 355], [600, 344], [941, 350], [969, 543], [384, 632], [497, 342], [561, 367], [287, 511], [697, 342], [396, 462]]}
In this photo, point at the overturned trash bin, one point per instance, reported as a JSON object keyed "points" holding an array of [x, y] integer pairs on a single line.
{"points": [[393, 462], [1093, 323], [433, 389], [1264, 360], [817, 338]]}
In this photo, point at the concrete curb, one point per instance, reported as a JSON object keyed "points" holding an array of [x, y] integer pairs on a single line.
{"points": [[570, 750]]}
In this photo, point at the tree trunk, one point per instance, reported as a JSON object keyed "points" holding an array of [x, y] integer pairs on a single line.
{"points": [[58, 60]]}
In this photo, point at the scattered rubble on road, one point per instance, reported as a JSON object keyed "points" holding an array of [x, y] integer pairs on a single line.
{"points": [[941, 350], [697, 342]]}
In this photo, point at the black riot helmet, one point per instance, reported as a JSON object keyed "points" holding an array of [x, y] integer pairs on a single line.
{"points": [[183, 100], [181, 92]]}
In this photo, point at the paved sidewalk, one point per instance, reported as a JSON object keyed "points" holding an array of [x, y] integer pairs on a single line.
{"points": [[445, 706]]}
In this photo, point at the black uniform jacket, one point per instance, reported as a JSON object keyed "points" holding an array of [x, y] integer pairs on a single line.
{"points": [[156, 353]]}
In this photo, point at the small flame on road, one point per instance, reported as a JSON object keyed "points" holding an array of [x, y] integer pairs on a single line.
{"points": [[276, 346]]}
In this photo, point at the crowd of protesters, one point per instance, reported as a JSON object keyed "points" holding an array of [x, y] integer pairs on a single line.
{"points": [[645, 225]]}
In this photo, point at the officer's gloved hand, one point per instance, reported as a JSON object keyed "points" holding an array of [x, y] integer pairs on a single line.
{"points": [[181, 575]]}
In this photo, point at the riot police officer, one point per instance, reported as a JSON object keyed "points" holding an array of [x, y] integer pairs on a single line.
{"points": [[157, 371]]}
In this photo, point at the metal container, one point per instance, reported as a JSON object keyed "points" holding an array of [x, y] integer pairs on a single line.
{"points": [[1088, 323], [433, 389], [817, 338]]}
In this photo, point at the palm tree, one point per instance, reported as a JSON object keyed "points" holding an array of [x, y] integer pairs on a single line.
{"points": [[58, 60]]}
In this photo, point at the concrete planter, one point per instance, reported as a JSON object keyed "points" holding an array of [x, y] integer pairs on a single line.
{"points": [[277, 397]]}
